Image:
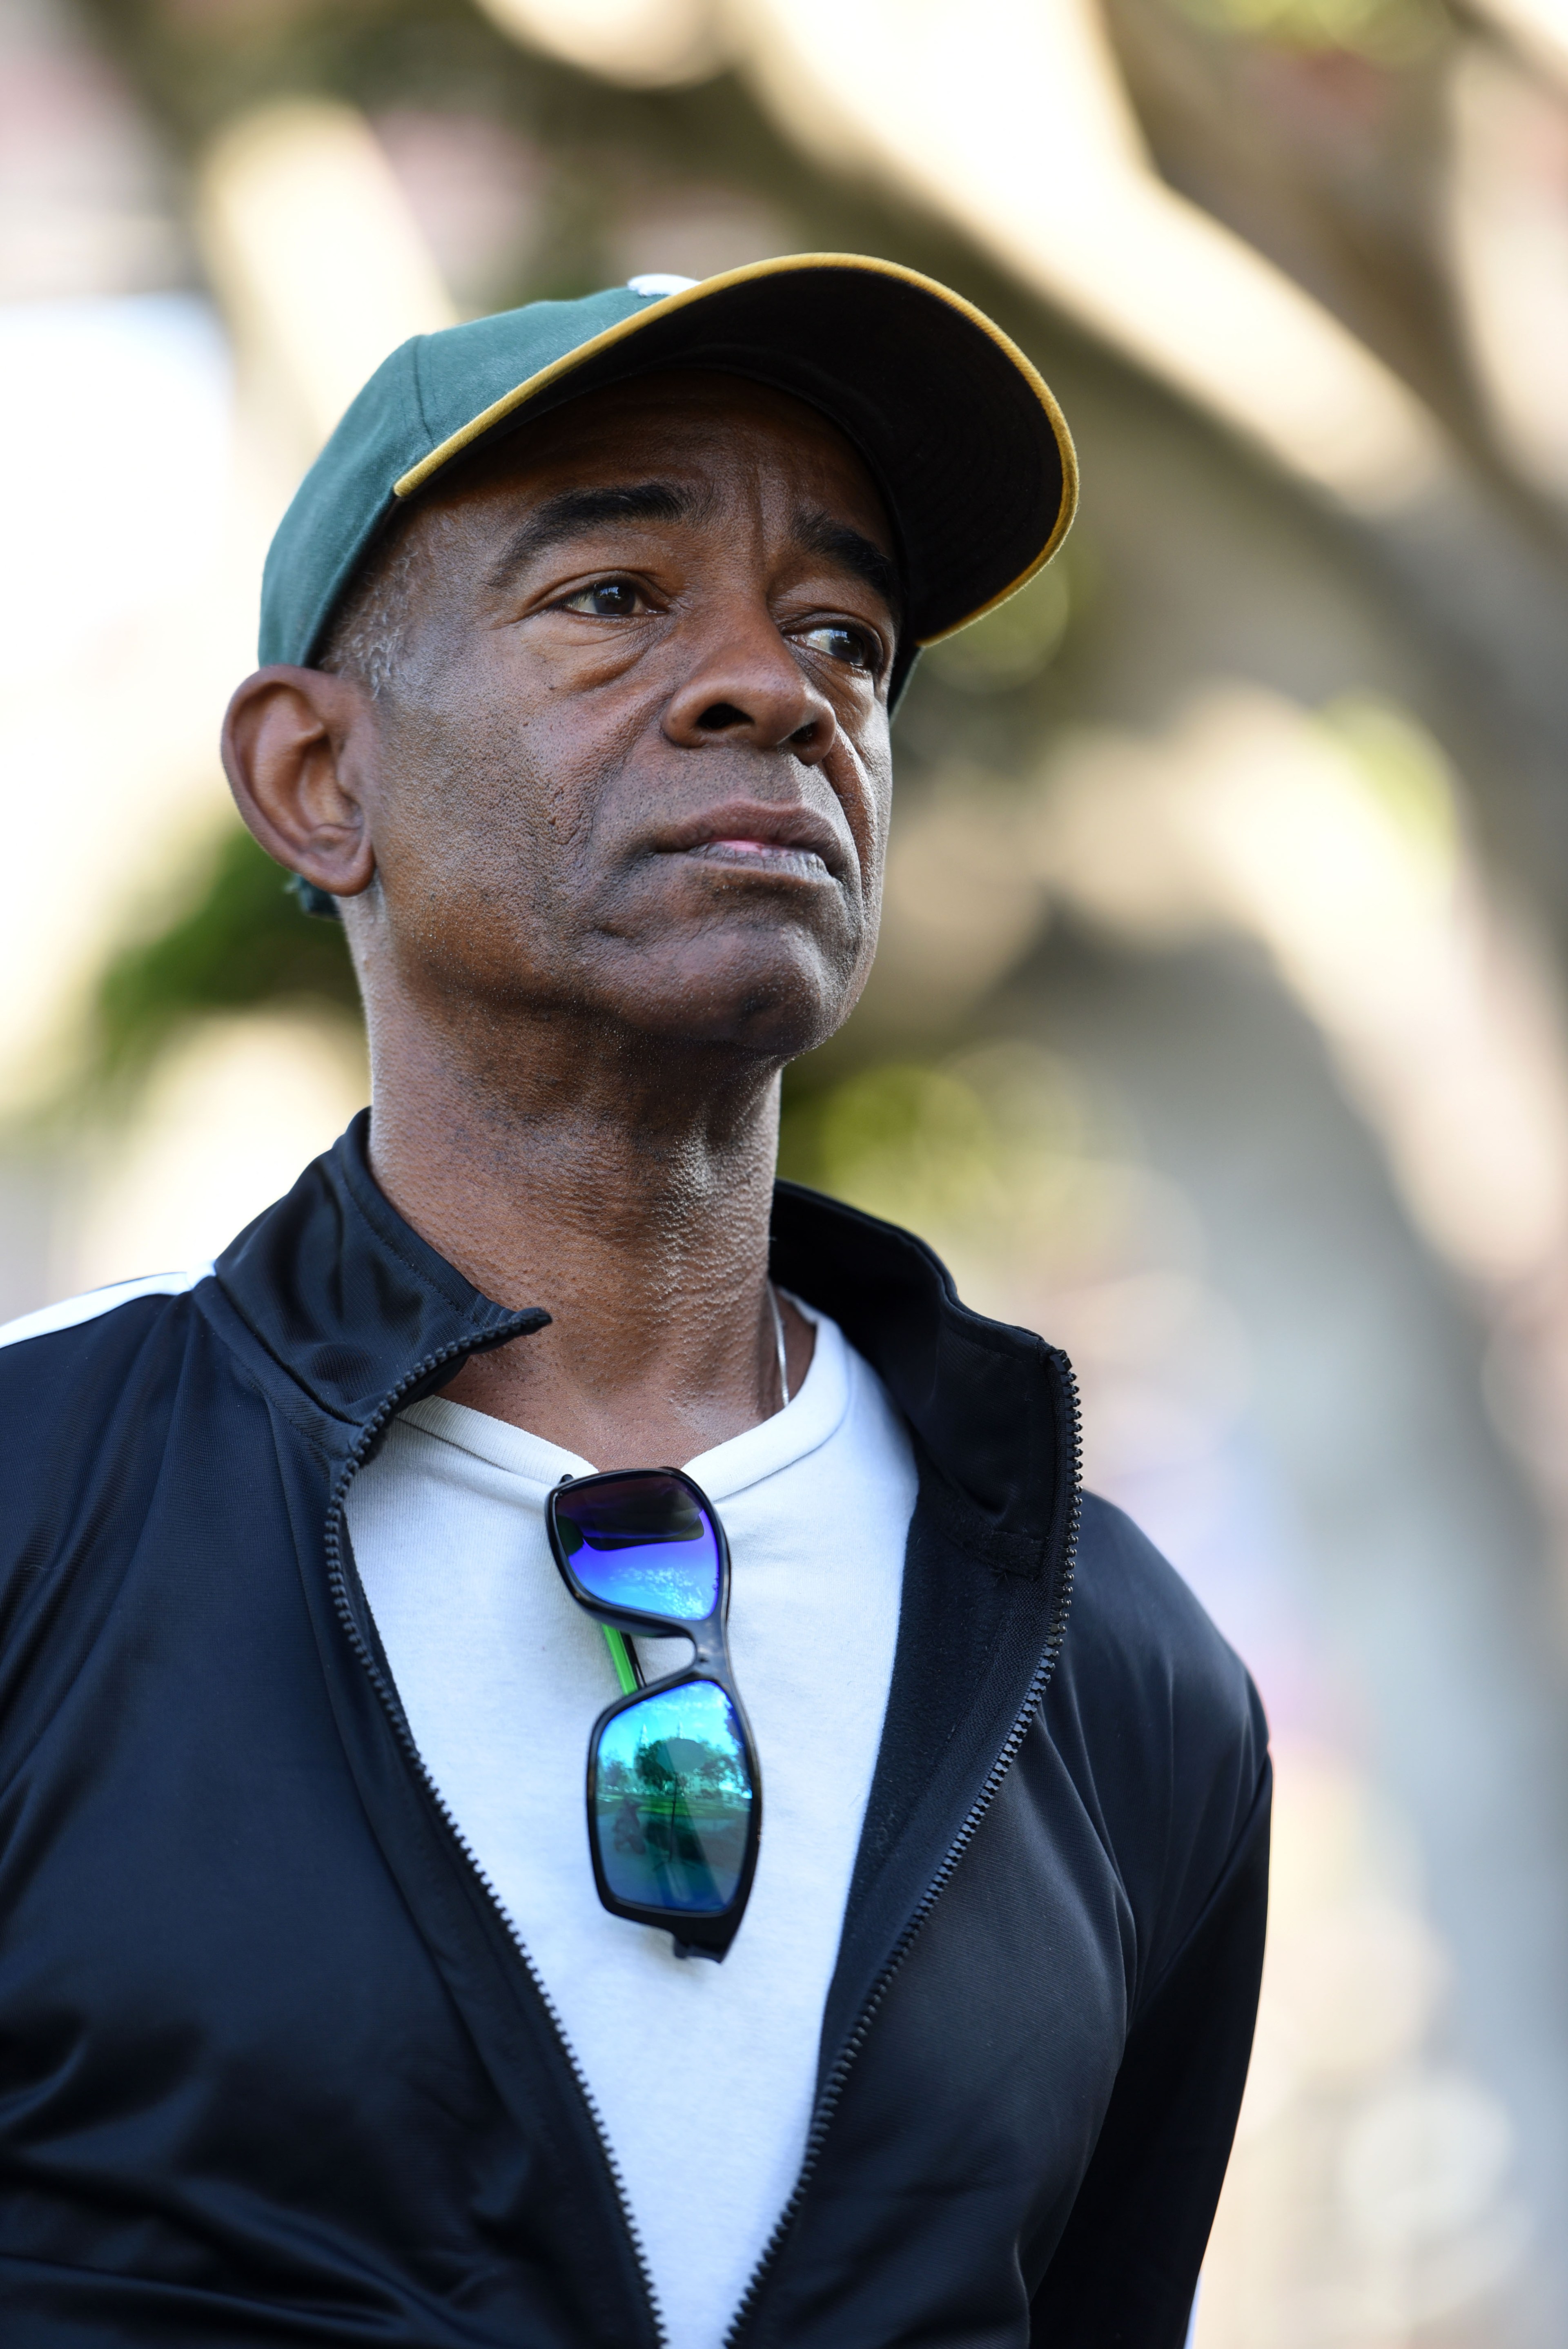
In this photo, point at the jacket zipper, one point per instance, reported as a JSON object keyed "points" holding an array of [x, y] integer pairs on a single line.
{"points": [[337, 1583], [833, 2085]]}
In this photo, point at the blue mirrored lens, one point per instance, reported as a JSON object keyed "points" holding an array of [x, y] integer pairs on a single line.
{"points": [[672, 1801], [641, 1543]]}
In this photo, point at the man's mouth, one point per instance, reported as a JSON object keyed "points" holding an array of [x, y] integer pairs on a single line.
{"points": [[793, 842], [770, 855]]}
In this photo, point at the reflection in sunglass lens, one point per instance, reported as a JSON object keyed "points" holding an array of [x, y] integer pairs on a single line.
{"points": [[672, 1801], [641, 1543]]}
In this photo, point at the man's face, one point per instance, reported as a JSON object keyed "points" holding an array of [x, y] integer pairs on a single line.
{"points": [[633, 759]]}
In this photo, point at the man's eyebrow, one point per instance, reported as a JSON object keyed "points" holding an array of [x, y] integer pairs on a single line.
{"points": [[821, 534], [574, 513]]}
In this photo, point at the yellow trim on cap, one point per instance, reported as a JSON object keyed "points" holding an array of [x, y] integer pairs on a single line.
{"points": [[519, 397]]}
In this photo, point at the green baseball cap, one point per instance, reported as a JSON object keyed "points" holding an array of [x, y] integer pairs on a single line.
{"points": [[962, 437]]}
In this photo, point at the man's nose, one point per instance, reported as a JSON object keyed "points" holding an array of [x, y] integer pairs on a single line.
{"points": [[747, 688]]}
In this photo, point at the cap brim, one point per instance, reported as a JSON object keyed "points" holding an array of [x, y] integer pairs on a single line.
{"points": [[961, 433]]}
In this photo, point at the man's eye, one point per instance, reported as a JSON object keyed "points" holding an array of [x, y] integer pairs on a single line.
{"points": [[853, 647], [607, 599]]}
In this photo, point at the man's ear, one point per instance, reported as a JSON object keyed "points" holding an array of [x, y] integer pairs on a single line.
{"points": [[294, 745]]}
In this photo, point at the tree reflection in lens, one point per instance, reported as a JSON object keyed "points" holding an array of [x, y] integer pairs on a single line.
{"points": [[672, 1801]]}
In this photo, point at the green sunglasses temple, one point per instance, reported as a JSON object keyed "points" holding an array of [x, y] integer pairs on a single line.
{"points": [[626, 1672]]}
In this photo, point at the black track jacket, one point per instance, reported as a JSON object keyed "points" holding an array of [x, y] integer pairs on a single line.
{"points": [[273, 2068]]}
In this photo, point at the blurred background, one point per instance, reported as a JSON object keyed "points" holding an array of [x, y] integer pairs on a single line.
{"points": [[1220, 1030]]}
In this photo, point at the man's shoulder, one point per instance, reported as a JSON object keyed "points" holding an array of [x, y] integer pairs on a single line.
{"points": [[61, 1366], [1161, 1727], [1131, 1607], [1160, 1696], [86, 1387], [97, 1316]]}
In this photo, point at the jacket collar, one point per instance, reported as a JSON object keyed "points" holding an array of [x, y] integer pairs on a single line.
{"points": [[992, 1408], [350, 1302]]}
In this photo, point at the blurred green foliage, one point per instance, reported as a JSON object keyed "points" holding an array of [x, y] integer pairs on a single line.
{"points": [[1022, 1171], [1013, 644], [1406, 771], [1384, 31], [951, 1144], [901, 1139], [242, 939]]}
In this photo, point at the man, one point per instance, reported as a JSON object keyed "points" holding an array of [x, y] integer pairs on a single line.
{"points": [[326, 2015]]}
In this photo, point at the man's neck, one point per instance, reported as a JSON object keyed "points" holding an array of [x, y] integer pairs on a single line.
{"points": [[626, 1188]]}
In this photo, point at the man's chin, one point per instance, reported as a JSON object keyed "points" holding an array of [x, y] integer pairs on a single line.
{"points": [[774, 1006], [760, 1029]]}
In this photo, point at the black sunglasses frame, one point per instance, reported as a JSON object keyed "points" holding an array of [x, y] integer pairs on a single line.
{"points": [[695, 1935]]}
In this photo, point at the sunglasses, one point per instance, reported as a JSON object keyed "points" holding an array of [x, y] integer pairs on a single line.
{"points": [[674, 1792]]}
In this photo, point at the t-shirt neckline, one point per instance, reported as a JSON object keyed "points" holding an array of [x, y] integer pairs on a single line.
{"points": [[812, 1415]]}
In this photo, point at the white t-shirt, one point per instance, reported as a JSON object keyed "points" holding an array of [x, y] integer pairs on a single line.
{"points": [[704, 2074]]}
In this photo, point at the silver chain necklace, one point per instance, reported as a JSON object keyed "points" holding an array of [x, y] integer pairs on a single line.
{"points": [[779, 1340]]}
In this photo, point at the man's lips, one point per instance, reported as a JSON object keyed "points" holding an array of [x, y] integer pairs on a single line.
{"points": [[774, 841], [771, 856]]}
